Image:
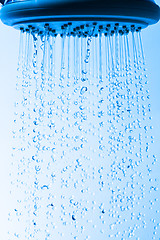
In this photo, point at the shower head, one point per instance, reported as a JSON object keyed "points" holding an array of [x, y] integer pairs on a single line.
{"points": [[130, 14]]}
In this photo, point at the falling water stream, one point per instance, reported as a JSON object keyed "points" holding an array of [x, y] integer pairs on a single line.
{"points": [[82, 166]]}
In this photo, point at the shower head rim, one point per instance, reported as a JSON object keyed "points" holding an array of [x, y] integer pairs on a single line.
{"points": [[25, 12], [57, 22]]}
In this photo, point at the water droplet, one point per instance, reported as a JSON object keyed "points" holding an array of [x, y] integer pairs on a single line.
{"points": [[37, 168], [83, 90], [73, 218]]}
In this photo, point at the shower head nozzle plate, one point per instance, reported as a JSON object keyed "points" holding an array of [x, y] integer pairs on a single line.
{"points": [[140, 13]]}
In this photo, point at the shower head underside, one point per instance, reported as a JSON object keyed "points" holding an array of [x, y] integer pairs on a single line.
{"points": [[107, 15]]}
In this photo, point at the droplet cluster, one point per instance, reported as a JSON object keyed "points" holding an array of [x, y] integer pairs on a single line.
{"points": [[82, 166]]}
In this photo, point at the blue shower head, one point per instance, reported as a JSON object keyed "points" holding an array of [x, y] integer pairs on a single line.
{"points": [[122, 13]]}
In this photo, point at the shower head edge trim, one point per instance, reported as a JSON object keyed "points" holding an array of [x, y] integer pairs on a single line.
{"points": [[143, 13]]}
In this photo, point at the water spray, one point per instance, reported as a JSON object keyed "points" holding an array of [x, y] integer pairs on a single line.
{"points": [[82, 166]]}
